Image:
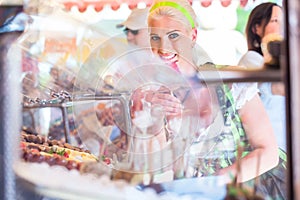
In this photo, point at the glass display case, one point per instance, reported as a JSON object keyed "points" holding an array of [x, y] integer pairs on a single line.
{"points": [[81, 134]]}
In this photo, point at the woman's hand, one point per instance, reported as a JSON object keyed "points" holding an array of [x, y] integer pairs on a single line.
{"points": [[171, 105], [162, 97]]}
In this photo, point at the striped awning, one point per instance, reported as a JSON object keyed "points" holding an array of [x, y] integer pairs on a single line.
{"points": [[115, 4]]}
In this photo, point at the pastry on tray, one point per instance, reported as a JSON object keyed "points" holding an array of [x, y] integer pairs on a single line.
{"points": [[37, 148]]}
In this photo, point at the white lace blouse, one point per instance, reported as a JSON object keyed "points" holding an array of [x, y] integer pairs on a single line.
{"points": [[243, 92]]}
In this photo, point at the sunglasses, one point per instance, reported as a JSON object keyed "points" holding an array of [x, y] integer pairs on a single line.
{"points": [[134, 32]]}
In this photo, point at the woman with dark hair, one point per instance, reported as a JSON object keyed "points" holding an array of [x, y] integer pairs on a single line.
{"points": [[264, 21]]}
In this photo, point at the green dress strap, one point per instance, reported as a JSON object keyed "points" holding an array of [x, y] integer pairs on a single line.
{"points": [[223, 146]]}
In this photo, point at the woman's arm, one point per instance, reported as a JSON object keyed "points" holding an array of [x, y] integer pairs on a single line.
{"points": [[261, 137], [278, 89], [274, 88]]}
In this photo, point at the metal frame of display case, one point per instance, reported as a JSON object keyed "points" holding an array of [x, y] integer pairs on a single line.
{"points": [[121, 97], [64, 112], [292, 63], [230, 76], [9, 115], [63, 106]]}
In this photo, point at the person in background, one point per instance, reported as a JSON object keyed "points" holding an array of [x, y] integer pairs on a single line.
{"points": [[264, 20], [173, 34], [135, 27]]}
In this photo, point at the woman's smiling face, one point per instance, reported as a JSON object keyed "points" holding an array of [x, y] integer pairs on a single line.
{"points": [[172, 42]]}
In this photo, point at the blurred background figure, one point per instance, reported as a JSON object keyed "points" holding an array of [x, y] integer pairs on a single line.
{"points": [[218, 32], [135, 27]]}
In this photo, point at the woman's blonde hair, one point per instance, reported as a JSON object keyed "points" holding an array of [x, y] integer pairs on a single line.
{"points": [[179, 10]]}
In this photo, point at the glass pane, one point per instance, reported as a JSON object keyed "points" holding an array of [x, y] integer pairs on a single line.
{"points": [[101, 111]]}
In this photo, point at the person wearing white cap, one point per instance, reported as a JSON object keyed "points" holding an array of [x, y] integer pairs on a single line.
{"points": [[135, 27]]}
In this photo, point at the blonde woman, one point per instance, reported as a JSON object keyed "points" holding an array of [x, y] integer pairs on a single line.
{"points": [[173, 34]]}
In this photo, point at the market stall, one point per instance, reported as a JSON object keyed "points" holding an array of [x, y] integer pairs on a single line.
{"points": [[79, 137]]}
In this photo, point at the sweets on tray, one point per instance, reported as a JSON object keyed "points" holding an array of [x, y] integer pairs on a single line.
{"points": [[37, 148]]}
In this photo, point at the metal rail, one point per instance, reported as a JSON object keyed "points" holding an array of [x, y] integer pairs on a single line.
{"points": [[64, 105], [230, 76]]}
